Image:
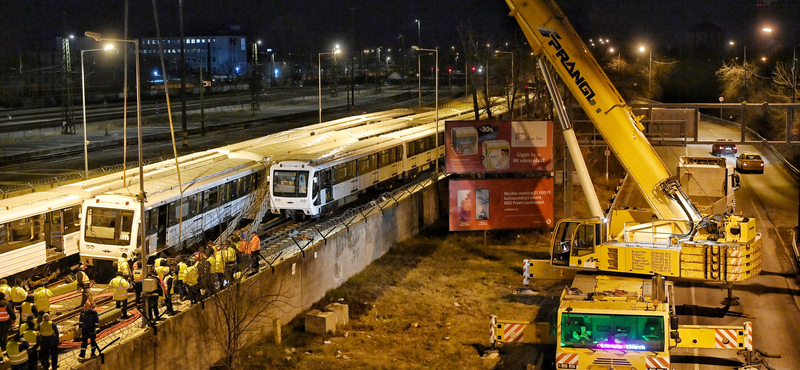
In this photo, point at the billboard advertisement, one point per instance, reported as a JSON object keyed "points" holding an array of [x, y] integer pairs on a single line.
{"points": [[498, 146], [493, 204]]}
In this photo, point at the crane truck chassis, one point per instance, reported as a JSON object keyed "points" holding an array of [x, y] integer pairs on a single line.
{"points": [[609, 322]]}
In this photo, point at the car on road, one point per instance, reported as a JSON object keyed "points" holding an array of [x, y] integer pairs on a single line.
{"points": [[749, 162], [723, 147]]}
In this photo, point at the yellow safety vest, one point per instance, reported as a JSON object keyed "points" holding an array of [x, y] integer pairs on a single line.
{"points": [[137, 271], [219, 266], [182, 271], [15, 356], [122, 266], [191, 276], [27, 310], [5, 290], [42, 298], [47, 329], [30, 334], [120, 286], [18, 294], [231, 256], [162, 271], [4, 316]]}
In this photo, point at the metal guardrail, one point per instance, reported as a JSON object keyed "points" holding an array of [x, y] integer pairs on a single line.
{"points": [[321, 230]]}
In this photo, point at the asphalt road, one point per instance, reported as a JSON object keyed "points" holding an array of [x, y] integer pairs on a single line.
{"points": [[771, 300]]}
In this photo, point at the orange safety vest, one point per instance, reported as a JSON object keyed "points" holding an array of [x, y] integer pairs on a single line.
{"points": [[4, 316], [163, 281], [244, 246], [255, 243]]}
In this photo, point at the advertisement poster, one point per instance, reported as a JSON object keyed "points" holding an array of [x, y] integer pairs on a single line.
{"points": [[498, 146], [501, 204]]}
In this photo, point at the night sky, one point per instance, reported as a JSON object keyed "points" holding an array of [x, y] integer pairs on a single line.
{"points": [[312, 26]]}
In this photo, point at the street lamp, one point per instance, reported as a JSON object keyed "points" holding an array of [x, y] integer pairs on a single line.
{"points": [[83, 98], [142, 197], [649, 72], [319, 76], [512, 77], [436, 99]]}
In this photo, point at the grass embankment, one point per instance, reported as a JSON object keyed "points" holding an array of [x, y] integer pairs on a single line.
{"points": [[426, 304]]}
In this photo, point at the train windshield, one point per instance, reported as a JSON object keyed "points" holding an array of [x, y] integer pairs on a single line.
{"points": [[614, 332], [290, 183], [108, 226]]}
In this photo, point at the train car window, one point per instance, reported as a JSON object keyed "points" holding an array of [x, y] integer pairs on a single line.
{"points": [[224, 189], [441, 138], [101, 225], [20, 231], [411, 149], [290, 183], [191, 205], [398, 153], [210, 199], [69, 219], [54, 217], [302, 184], [383, 158], [234, 189], [3, 237], [126, 225]]}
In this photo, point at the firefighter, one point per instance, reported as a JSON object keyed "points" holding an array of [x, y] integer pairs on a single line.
{"points": [[48, 346], [28, 310], [120, 288], [18, 352], [255, 252], [5, 290], [180, 285], [190, 279], [167, 290], [30, 332], [18, 295], [83, 284], [7, 318], [41, 297], [123, 266]]}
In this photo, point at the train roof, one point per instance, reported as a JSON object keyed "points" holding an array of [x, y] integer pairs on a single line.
{"points": [[35, 203], [356, 121], [343, 153]]}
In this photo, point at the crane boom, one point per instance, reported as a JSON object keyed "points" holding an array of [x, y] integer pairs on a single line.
{"points": [[555, 38]]}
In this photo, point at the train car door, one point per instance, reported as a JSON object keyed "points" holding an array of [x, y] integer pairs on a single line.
{"points": [[160, 215], [327, 185], [54, 229]]}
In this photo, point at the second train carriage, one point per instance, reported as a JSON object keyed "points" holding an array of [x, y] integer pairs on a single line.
{"points": [[36, 230], [313, 182]]}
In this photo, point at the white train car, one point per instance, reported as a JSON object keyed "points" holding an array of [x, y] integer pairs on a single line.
{"points": [[38, 233], [313, 182]]}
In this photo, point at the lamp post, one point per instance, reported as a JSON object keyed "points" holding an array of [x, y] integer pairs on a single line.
{"points": [[487, 76], [141, 197], [83, 98], [649, 72], [319, 76], [436, 70], [512, 77]]}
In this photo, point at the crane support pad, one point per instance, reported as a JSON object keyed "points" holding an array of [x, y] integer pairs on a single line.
{"points": [[544, 270], [718, 337], [708, 260], [515, 331]]}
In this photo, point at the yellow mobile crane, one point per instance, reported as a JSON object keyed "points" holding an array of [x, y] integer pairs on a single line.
{"points": [[615, 322], [672, 238]]}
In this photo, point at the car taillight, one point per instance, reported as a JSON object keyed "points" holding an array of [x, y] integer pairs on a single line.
{"points": [[762, 164], [720, 148], [734, 147]]}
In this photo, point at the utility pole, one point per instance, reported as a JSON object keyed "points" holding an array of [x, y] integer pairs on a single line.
{"points": [[183, 79]]}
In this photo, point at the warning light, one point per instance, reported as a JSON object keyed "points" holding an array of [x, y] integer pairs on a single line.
{"points": [[473, 68]]}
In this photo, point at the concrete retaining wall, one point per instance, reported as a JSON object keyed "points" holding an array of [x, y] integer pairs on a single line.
{"points": [[191, 340]]}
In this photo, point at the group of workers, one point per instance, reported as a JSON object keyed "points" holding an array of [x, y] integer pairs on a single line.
{"points": [[35, 338], [189, 278], [192, 278]]}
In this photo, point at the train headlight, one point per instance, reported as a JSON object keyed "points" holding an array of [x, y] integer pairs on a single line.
{"points": [[567, 366], [89, 247]]}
